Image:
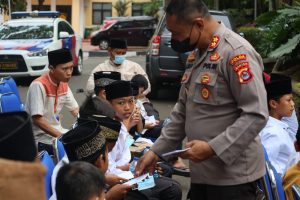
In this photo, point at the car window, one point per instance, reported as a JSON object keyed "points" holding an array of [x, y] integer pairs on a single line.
{"points": [[60, 27], [146, 23], [63, 26], [28, 30], [68, 28], [123, 25]]}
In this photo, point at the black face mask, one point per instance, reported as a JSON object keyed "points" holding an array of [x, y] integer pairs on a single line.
{"points": [[184, 45]]}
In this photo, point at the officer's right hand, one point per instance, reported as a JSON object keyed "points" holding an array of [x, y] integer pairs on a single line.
{"points": [[117, 192], [146, 163]]}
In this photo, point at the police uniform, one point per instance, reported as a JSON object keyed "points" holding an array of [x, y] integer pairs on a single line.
{"points": [[222, 101]]}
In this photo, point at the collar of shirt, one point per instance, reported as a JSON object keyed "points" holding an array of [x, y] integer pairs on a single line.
{"points": [[51, 81], [272, 121], [219, 33]]}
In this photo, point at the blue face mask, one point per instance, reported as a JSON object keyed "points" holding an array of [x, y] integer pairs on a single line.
{"points": [[119, 59]]}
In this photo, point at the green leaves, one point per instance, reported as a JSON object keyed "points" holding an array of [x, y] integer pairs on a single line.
{"points": [[286, 48]]}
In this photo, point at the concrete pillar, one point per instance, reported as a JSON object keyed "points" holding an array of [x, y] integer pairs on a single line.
{"points": [[53, 5], [78, 16], [29, 6]]}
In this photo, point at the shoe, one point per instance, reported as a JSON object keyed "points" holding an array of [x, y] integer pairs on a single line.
{"points": [[181, 171]]}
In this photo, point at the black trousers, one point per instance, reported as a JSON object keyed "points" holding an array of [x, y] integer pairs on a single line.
{"points": [[245, 191]]}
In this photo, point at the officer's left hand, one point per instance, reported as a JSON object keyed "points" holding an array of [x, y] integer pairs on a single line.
{"points": [[200, 150]]}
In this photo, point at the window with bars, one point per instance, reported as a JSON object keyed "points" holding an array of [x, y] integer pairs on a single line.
{"points": [[100, 11], [137, 9]]}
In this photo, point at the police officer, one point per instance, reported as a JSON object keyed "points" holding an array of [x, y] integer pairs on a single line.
{"points": [[221, 108]]}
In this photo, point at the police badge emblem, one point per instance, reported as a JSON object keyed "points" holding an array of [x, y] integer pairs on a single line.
{"points": [[205, 93]]}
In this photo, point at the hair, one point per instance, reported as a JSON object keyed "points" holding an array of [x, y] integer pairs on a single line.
{"points": [[102, 152], [277, 99], [187, 10], [97, 89], [140, 80], [79, 181]]}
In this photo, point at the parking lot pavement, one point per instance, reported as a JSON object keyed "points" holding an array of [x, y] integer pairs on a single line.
{"points": [[94, 51]]}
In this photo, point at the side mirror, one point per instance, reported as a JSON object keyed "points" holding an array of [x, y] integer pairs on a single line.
{"points": [[63, 35]]}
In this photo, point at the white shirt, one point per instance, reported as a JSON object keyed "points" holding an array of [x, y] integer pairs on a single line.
{"points": [[62, 162], [45, 98], [278, 144], [292, 122], [120, 155], [128, 69]]}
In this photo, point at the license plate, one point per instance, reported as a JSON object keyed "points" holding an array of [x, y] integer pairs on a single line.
{"points": [[8, 65]]}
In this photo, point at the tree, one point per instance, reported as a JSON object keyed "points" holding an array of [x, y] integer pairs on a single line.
{"points": [[152, 7], [121, 6], [16, 5]]}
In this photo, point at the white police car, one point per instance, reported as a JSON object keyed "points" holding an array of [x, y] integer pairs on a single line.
{"points": [[26, 40]]}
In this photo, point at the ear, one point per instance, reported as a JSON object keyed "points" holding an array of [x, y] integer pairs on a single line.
{"points": [[200, 22], [51, 68], [273, 104]]}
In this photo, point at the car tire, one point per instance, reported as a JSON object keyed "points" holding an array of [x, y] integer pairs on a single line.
{"points": [[78, 69], [103, 45]]}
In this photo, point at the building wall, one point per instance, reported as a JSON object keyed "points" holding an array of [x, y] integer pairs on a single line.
{"points": [[82, 11], [89, 9]]}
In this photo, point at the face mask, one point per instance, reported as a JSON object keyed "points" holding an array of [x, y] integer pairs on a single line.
{"points": [[184, 45], [119, 59]]}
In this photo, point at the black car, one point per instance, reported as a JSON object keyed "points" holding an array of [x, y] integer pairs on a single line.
{"points": [[163, 64], [137, 30]]}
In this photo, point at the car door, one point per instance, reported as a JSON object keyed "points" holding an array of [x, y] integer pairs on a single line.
{"points": [[69, 42], [124, 29]]}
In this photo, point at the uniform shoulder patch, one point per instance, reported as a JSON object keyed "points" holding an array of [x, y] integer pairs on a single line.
{"points": [[244, 75], [214, 42], [237, 58], [214, 57]]}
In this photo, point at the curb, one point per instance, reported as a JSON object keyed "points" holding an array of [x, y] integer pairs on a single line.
{"points": [[104, 53]]}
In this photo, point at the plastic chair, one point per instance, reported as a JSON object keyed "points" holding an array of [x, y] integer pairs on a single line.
{"points": [[264, 182], [12, 84], [9, 102], [59, 150], [275, 181], [296, 191], [47, 161]]}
